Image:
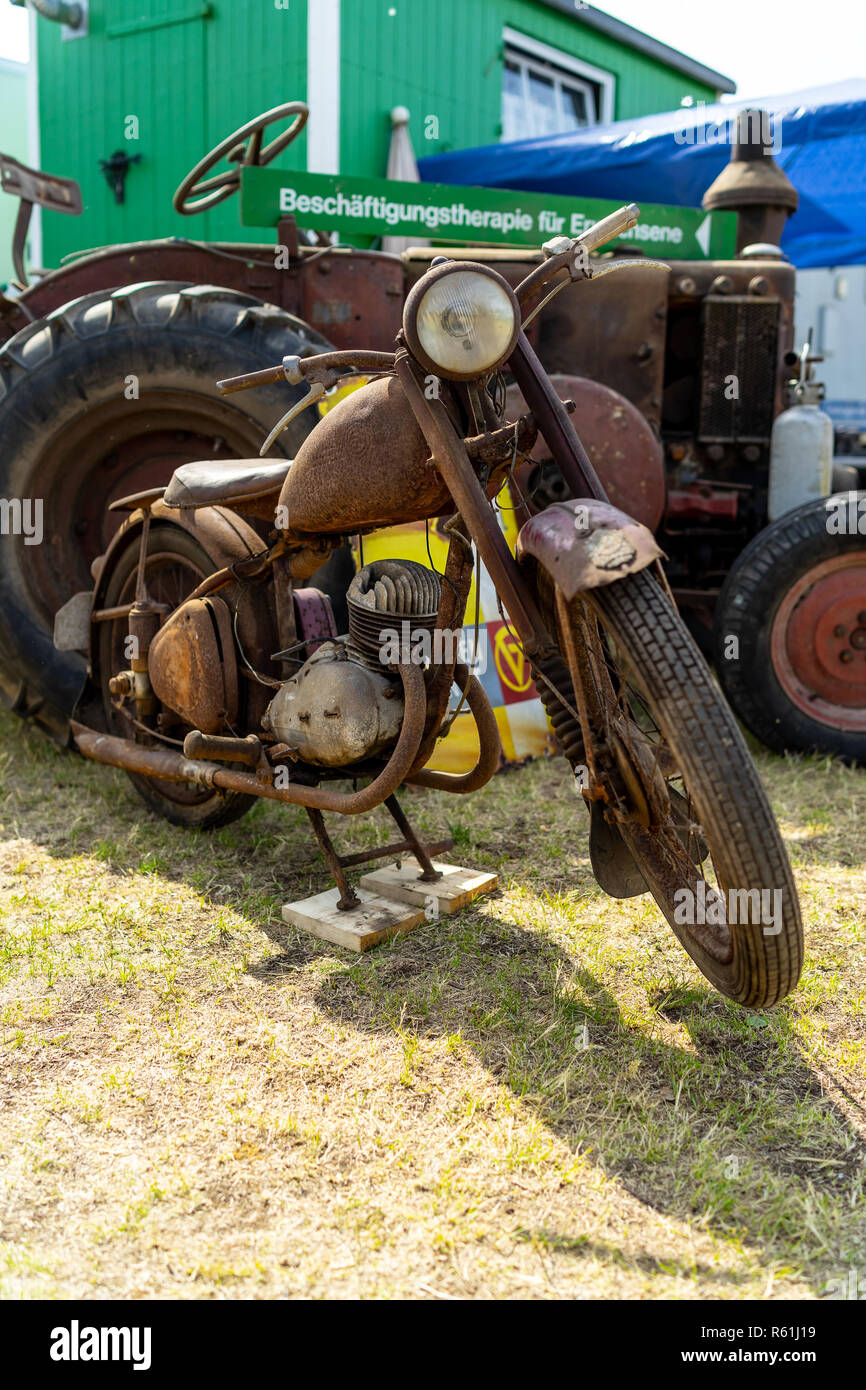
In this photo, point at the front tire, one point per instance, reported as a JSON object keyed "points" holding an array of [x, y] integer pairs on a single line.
{"points": [[656, 676]]}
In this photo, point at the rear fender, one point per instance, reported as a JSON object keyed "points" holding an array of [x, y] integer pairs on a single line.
{"points": [[224, 535], [584, 544]]}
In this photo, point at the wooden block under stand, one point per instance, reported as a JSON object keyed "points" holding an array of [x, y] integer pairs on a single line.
{"points": [[455, 889], [360, 928]]}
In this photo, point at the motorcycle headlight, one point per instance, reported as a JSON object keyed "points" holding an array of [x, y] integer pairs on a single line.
{"points": [[461, 320]]}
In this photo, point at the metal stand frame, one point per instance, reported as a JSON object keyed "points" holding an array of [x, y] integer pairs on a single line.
{"points": [[410, 844]]}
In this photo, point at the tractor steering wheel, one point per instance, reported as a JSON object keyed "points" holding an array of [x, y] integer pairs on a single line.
{"points": [[243, 148]]}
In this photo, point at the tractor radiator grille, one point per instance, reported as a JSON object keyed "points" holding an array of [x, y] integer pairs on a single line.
{"points": [[740, 340]]}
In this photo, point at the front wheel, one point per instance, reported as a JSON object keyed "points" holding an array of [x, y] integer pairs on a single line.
{"points": [[671, 775]]}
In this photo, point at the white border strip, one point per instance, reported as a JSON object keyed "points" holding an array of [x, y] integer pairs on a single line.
{"points": [[323, 86], [34, 144]]}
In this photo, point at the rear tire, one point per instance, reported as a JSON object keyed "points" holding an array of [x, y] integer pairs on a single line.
{"points": [[75, 435], [194, 807]]}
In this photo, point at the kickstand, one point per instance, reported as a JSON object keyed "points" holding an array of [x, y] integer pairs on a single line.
{"points": [[410, 844]]}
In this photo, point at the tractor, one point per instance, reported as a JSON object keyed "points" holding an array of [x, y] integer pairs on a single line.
{"points": [[689, 382]]}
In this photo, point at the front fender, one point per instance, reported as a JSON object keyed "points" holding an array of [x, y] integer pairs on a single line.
{"points": [[583, 544]]}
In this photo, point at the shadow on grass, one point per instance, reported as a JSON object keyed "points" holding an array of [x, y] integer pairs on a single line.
{"points": [[731, 1125], [700, 1109]]}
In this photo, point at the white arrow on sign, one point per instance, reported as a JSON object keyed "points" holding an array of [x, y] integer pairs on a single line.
{"points": [[702, 235]]}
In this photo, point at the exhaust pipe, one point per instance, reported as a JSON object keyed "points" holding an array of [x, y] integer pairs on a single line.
{"points": [[752, 184], [168, 766]]}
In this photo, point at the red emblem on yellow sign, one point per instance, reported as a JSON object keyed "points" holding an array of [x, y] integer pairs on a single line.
{"points": [[511, 665]]}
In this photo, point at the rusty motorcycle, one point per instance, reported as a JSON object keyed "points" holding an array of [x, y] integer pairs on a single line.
{"points": [[216, 674]]}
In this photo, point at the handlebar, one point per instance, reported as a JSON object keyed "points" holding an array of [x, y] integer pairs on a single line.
{"points": [[572, 253], [610, 227], [324, 367]]}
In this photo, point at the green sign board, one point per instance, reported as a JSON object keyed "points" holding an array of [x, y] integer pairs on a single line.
{"points": [[491, 216]]}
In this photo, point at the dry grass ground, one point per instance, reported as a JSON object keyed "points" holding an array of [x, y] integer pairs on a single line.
{"points": [[198, 1101]]}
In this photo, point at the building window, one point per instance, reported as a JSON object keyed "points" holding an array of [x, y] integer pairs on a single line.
{"points": [[545, 92]]}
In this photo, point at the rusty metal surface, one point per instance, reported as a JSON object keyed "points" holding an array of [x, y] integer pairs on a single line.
{"points": [[357, 298], [702, 501], [247, 750], [623, 449], [325, 367], [740, 337], [227, 539], [752, 183], [468, 497], [172, 767], [818, 643], [612, 330], [243, 148], [353, 299], [690, 282], [192, 665], [489, 743], [34, 189], [553, 422], [584, 545], [365, 464], [456, 583]]}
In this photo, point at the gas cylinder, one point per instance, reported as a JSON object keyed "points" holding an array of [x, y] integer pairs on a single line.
{"points": [[801, 450]]}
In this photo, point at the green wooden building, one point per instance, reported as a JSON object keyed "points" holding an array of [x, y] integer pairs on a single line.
{"points": [[165, 80]]}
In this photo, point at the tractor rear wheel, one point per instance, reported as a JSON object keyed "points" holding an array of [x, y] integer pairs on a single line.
{"points": [[103, 398]]}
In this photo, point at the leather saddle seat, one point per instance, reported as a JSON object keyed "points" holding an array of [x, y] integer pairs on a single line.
{"points": [[246, 485]]}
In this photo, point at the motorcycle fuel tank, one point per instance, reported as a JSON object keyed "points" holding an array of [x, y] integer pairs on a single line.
{"points": [[365, 464]]}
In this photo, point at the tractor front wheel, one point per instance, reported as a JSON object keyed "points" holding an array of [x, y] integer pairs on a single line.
{"points": [[790, 630]]}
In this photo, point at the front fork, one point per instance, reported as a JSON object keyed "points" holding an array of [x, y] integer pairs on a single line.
{"points": [[579, 544]]}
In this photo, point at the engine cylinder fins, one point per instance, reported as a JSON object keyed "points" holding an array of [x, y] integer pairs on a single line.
{"points": [[384, 596]]}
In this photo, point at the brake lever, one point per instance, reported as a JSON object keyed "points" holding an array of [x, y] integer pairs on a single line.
{"points": [[625, 263], [315, 393], [595, 273]]}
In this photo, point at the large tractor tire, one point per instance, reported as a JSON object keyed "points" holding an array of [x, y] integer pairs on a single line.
{"points": [[103, 398]]}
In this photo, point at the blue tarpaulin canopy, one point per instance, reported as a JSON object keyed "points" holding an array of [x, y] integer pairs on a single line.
{"points": [[673, 157]]}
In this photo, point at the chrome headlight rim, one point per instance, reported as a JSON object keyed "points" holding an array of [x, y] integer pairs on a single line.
{"points": [[413, 304]]}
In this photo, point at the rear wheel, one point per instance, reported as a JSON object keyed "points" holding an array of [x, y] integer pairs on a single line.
{"points": [[790, 630], [674, 778], [103, 398], [176, 564]]}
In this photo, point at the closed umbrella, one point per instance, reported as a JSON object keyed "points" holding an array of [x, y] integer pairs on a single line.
{"points": [[402, 166]]}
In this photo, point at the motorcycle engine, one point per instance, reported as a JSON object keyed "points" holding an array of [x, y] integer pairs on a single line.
{"points": [[346, 703]]}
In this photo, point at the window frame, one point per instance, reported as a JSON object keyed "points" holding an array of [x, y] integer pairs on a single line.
{"points": [[597, 85]]}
